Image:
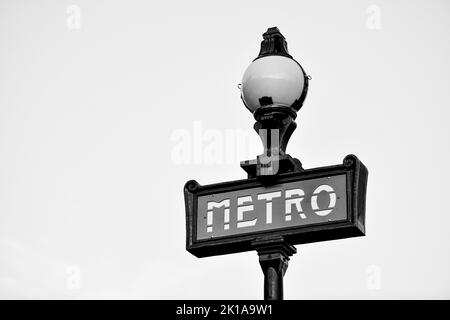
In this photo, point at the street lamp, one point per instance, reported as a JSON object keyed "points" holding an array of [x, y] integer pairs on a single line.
{"points": [[273, 88], [279, 205]]}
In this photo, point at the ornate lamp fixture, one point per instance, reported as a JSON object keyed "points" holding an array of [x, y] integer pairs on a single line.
{"points": [[273, 88]]}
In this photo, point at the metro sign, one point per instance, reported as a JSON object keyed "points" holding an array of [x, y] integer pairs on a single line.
{"points": [[311, 205]]}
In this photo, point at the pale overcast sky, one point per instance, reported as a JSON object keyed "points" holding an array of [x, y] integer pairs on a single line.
{"points": [[95, 95]]}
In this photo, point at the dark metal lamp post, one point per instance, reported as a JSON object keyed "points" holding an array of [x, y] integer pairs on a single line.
{"points": [[273, 88]]}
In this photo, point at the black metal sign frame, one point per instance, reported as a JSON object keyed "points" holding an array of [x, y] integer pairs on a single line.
{"points": [[354, 226]]}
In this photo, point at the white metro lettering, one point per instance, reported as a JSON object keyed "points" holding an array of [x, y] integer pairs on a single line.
{"points": [[268, 197], [226, 214], [248, 211], [332, 196], [242, 209], [290, 200]]}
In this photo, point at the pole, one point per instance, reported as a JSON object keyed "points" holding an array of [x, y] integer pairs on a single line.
{"points": [[274, 255]]}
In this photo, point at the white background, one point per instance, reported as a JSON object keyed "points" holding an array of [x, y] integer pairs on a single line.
{"points": [[92, 98]]}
